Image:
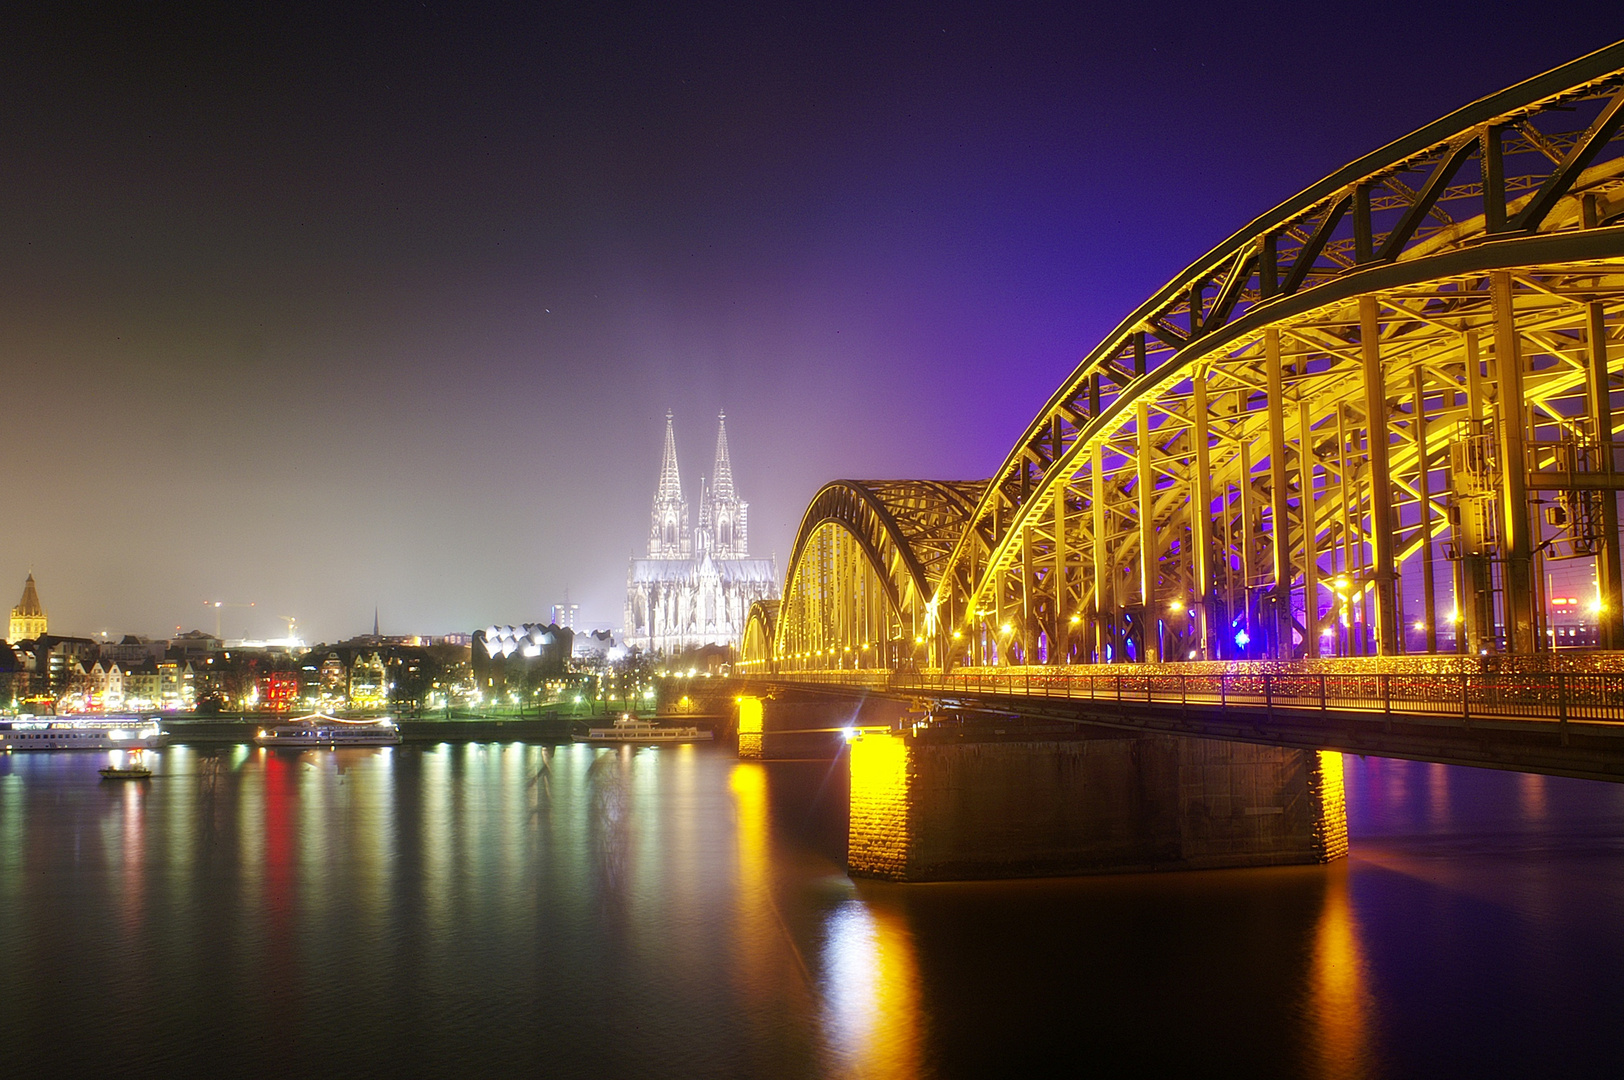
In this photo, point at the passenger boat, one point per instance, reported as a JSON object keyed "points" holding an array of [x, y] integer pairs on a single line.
{"points": [[102, 733], [631, 729], [319, 729]]}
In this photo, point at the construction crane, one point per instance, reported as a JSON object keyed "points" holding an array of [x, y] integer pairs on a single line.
{"points": [[217, 605], [291, 621]]}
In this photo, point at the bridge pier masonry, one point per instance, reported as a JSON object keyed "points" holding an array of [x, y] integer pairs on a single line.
{"points": [[953, 803], [958, 798]]}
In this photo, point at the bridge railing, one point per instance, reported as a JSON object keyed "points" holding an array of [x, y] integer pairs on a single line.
{"points": [[1553, 696]]}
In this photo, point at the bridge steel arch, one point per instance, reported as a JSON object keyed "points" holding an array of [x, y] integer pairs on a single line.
{"points": [[1352, 404], [756, 651], [1350, 409], [862, 577]]}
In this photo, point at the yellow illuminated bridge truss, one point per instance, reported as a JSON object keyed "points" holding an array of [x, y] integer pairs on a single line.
{"points": [[1395, 392]]}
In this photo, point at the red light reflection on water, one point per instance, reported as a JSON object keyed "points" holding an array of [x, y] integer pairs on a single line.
{"points": [[281, 874]]}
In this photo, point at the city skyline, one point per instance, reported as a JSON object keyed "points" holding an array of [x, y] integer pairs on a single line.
{"points": [[337, 312]]}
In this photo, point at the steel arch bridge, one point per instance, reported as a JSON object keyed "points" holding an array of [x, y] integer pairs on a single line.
{"points": [[1394, 390]]}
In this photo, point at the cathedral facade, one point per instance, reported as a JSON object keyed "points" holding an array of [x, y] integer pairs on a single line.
{"points": [[696, 586]]}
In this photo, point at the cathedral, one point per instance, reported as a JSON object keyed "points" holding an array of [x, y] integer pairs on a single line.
{"points": [[697, 584]]}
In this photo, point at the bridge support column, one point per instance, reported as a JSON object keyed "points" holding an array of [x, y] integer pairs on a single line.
{"points": [[1515, 541], [1384, 569], [1201, 520], [1423, 491], [1473, 518], [1610, 591], [1305, 485], [943, 805], [1279, 527], [1149, 602], [1106, 646]]}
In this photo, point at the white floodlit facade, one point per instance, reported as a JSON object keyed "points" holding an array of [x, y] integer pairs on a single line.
{"points": [[696, 586]]}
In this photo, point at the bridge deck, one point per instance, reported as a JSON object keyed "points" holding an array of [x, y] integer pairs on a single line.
{"points": [[1559, 723]]}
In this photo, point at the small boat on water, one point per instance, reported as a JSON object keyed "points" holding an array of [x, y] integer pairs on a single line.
{"points": [[320, 729], [132, 769], [632, 729]]}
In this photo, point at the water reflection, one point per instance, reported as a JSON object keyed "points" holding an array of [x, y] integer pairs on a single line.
{"points": [[129, 839], [1531, 797], [871, 1001], [1438, 794], [441, 910], [1339, 991]]}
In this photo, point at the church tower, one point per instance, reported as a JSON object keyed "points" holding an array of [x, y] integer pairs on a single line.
{"points": [[27, 618], [727, 514], [668, 529]]}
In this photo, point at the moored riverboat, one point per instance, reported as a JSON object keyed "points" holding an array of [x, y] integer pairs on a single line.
{"points": [[101, 733], [631, 729], [320, 729]]}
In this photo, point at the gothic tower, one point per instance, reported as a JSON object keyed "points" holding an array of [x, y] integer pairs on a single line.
{"points": [[27, 618], [668, 529], [727, 513]]}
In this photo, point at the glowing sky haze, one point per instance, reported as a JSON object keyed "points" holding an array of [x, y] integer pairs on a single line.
{"points": [[386, 306]]}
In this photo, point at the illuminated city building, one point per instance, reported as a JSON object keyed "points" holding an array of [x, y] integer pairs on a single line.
{"points": [[278, 691], [142, 685], [333, 681], [696, 586], [177, 686], [369, 689], [564, 614], [28, 617], [593, 646], [518, 659]]}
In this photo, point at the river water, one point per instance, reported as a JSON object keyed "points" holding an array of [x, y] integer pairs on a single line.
{"points": [[530, 910]]}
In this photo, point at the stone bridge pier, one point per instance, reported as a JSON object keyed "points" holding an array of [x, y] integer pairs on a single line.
{"points": [[961, 798]]}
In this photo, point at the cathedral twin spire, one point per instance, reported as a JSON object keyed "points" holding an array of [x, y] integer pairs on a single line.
{"points": [[723, 515], [722, 475], [668, 530]]}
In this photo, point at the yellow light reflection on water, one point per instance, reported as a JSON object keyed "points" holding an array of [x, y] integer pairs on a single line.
{"points": [[871, 996], [755, 929], [1339, 989], [1531, 796]]}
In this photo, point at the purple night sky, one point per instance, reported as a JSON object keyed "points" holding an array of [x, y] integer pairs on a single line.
{"points": [[386, 308]]}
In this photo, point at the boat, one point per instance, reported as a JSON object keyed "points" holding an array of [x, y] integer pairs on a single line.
{"points": [[632, 729], [132, 769], [102, 733], [320, 729]]}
